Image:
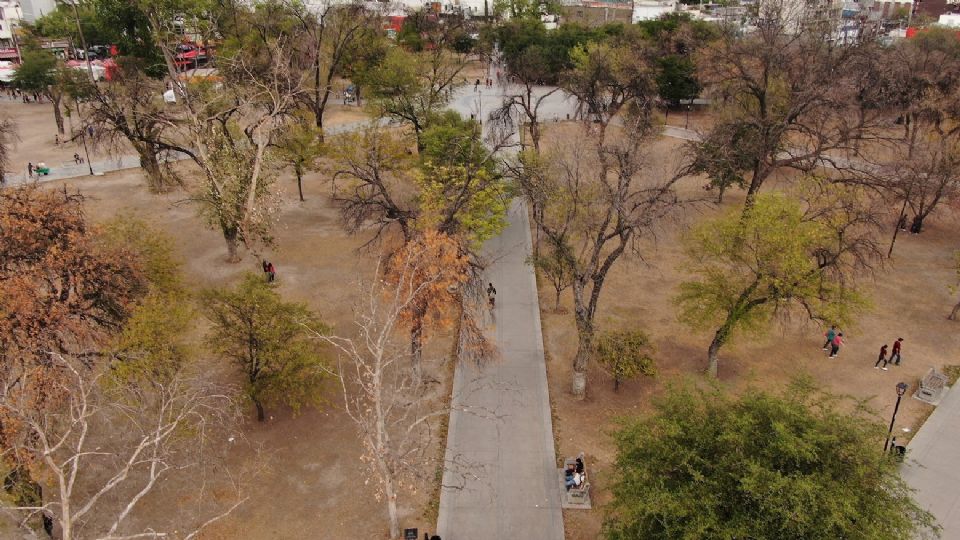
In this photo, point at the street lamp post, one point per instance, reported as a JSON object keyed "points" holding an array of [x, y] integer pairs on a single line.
{"points": [[901, 390]]}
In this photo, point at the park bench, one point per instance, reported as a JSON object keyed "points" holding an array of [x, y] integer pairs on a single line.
{"points": [[932, 386], [576, 496]]}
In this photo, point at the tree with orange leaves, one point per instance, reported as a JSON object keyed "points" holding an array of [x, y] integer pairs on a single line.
{"points": [[63, 291], [433, 271], [63, 288]]}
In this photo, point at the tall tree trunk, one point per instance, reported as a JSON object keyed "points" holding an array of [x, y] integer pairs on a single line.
{"points": [[556, 304], [917, 226], [953, 314], [66, 523], [719, 339], [232, 238], [299, 182], [261, 415], [156, 180], [584, 352], [616, 384], [390, 491], [55, 98], [535, 135], [416, 344], [896, 227]]}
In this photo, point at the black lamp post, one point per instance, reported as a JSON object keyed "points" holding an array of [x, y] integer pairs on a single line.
{"points": [[901, 390]]}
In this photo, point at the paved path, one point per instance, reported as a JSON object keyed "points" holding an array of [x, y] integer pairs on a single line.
{"points": [[512, 491], [933, 464]]}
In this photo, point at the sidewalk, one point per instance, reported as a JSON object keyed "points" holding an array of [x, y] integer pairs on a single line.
{"points": [[932, 461], [513, 490]]}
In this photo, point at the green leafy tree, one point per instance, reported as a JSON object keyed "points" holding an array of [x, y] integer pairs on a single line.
{"points": [[300, 147], [268, 339], [625, 355], [153, 346], [154, 249], [413, 87], [761, 466], [677, 80], [774, 259], [457, 201], [61, 23], [452, 140]]}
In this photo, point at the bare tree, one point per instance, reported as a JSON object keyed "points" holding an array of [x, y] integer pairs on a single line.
{"points": [[372, 181], [776, 109], [230, 127], [106, 449], [601, 197], [529, 70], [394, 410], [129, 111], [333, 31]]}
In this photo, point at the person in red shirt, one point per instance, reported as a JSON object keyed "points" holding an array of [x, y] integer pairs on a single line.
{"points": [[882, 358], [835, 345], [895, 355]]}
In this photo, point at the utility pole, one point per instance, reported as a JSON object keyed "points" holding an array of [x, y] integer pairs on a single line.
{"points": [[83, 42], [86, 56]]}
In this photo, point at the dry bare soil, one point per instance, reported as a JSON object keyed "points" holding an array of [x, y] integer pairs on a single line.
{"points": [[312, 484], [910, 300]]}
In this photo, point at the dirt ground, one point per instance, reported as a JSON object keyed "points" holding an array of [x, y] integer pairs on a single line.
{"points": [[37, 130], [910, 298], [313, 484]]}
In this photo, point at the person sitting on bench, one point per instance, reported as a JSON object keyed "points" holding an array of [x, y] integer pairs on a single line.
{"points": [[573, 478]]}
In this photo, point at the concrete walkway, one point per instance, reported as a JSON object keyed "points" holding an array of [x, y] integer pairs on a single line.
{"points": [[932, 466], [507, 486]]}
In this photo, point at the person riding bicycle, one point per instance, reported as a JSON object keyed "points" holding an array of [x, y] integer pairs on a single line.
{"points": [[491, 294]]}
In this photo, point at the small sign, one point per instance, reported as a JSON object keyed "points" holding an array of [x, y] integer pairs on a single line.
{"points": [[410, 534]]}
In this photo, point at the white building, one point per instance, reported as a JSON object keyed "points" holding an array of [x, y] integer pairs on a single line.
{"points": [[951, 20], [34, 9], [646, 10], [10, 16]]}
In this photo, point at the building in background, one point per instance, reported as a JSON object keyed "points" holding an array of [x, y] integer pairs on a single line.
{"points": [[597, 12], [34, 9], [10, 17], [647, 10]]}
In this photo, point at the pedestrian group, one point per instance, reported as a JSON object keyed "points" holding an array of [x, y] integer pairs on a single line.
{"points": [[834, 340]]}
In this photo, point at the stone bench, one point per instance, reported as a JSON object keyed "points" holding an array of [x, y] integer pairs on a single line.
{"points": [[576, 496], [932, 387]]}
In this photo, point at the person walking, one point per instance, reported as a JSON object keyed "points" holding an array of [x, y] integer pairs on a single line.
{"points": [[830, 334], [835, 344], [491, 294], [882, 358], [30, 169], [895, 355], [271, 273]]}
